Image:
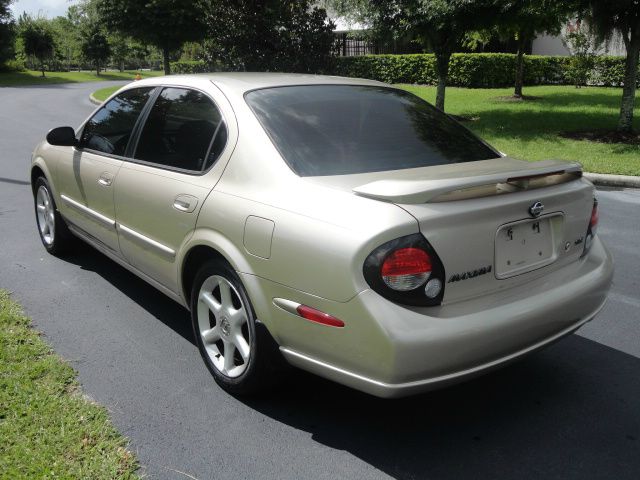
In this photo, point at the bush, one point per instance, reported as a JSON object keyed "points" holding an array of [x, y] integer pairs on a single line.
{"points": [[493, 70], [582, 48], [192, 66], [608, 72], [479, 70], [12, 66]]}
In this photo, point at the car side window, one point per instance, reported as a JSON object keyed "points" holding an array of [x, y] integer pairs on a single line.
{"points": [[109, 130], [184, 130]]}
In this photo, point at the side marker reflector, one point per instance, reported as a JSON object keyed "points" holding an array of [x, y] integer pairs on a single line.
{"points": [[317, 316]]}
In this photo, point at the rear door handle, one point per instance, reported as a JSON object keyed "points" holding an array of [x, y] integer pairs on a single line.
{"points": [[185, 203], [105, 179]]}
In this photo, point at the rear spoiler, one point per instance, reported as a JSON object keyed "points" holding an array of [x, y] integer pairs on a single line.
{"points": [[476, 186]]}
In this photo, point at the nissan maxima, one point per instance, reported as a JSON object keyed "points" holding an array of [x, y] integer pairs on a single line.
{"points": [[343, 226]]}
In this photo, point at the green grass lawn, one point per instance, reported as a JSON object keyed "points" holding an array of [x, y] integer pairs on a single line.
{"points": [[529, 130], [47, 428], [104, 93], [31, 77]]}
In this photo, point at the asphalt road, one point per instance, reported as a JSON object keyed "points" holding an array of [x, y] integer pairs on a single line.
{"points": [[571, 411]]}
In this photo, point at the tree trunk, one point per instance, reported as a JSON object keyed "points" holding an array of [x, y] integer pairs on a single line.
{"points": [[519, 67], [98, 69], [442, 69], [42, 68], [625, 122], [165, 59]]}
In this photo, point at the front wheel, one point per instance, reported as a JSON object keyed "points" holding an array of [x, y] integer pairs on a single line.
{"points": [[53, 230], [238, 351]]}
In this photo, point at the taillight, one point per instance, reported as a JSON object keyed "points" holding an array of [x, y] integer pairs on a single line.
{"points": [[593, 227], [406, 270]]}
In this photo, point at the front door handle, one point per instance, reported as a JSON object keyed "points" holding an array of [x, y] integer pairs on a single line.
{"points": [[105, 179], [185, 203]]}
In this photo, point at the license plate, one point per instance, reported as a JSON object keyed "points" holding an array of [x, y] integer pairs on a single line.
{"points": [[524, 246]]}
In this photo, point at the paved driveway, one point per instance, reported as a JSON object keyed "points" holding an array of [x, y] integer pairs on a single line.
{"points": [[569, 412]]}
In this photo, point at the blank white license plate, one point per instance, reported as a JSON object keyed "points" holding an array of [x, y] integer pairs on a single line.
{"points": [[523, 246]]}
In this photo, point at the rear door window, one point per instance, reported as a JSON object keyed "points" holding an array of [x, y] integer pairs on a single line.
{"points": [[184, 130], [346, 129], [109, 130]]}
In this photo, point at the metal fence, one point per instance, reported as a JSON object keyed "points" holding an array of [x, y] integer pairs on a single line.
{"points": [[346, 45]]}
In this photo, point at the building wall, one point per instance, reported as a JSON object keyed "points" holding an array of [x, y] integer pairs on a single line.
{"points": [[553, 45], [549, 45]]}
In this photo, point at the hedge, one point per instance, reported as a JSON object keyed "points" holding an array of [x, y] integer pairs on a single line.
{"points": [[12, 66], [478, 70], [195, 66], [470, 70]]}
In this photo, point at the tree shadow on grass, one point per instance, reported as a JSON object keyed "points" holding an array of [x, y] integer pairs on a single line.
{"points": [[19, 79], [531, 124], [583, 97], [25, 79], [609, 137]]}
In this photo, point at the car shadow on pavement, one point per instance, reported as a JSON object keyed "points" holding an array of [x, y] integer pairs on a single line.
{"points": [[152, 300], [571, 411]]}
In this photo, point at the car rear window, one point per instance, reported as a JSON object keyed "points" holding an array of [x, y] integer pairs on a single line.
{"points": [[347, 129]]}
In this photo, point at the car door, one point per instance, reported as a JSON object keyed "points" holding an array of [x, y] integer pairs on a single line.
{"points": [[160, 190], [87, 174]]}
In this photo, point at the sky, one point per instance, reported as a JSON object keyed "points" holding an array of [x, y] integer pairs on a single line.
{"points": [[46, 8], [53, 8]]}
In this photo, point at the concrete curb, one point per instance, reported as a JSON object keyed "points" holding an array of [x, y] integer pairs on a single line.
{"points": [[94, 100], [606, 180]]}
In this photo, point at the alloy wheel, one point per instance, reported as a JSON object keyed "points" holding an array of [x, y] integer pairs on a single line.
{"points": [[45, 215], [223, 326]]}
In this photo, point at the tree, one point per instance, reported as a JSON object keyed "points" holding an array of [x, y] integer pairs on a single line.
{"points": [[444, 24], [622, 17], [440, 25], [525, 19], [140, 54], [120, 50], [269, 35], [166, 24], [95, 46], [67, 39], [580, 43], [7, 31], [37, 39]]}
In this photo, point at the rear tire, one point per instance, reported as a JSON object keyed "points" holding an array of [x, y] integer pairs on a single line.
{"points": [[238, 351], [54, 232]]}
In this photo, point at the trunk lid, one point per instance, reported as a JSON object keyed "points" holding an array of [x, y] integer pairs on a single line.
{"points": [[478, 217]]}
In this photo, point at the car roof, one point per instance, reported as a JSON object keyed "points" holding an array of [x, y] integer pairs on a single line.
{"points": [[241, 82]]}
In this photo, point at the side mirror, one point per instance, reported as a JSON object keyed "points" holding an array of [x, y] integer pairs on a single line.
{"points": [[62, 137]]}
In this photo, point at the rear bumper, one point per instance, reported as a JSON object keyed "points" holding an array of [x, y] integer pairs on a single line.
{"points": [[395, 390], [391, 351]]}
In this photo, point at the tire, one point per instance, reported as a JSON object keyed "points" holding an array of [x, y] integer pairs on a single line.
{"points": [[238, 351], [53, 230]]}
